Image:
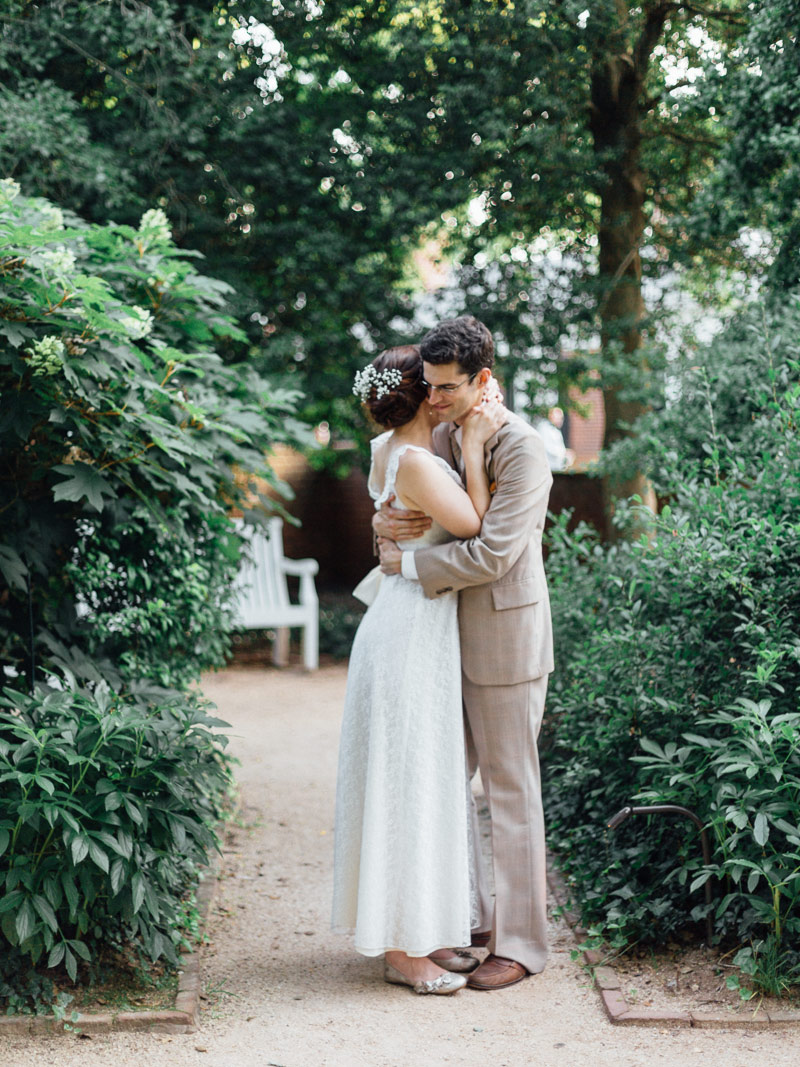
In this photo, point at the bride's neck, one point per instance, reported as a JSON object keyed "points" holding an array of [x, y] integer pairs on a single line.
{"points": [[417, 432]]}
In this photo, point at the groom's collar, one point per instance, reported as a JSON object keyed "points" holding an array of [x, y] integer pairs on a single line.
{"points": [[455, 436]]}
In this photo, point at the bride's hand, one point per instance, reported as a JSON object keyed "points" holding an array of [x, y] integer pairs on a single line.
{"points": [[485, 419]]}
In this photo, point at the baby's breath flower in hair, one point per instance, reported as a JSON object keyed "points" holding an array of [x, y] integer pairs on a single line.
{"points": [[381, 381]]}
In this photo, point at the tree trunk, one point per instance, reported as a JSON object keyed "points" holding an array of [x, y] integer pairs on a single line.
{"points": [[615, 121]]}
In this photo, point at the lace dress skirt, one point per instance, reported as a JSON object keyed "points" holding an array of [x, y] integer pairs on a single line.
{"points": [[402, 856]]}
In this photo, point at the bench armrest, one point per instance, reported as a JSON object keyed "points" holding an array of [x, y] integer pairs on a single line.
{"points": [[304, 569], [300, 566]]}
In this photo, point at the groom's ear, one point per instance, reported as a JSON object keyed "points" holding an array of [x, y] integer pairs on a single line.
{"points": [[484, 374]]}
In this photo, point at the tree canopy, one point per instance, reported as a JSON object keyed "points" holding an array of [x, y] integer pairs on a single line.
{"points": [[558, 153]]}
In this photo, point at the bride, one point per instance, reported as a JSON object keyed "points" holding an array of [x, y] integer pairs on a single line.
{"points": [[402, 881]]}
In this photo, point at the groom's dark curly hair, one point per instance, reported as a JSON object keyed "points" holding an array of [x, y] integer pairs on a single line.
{"points": [[465, 341]]}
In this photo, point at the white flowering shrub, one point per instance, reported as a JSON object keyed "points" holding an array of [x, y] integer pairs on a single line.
{"points": [[9, 190], [115, 406], [57, 262], [46, 356], [125, 441], [154, 227], [138, 322]]}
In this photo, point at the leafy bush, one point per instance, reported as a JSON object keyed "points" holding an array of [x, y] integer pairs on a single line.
{"points": [[678, 677], [121, 433], [125, 441], [717, 399], [106, 811]]}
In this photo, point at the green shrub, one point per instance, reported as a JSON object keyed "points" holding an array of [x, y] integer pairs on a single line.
{"points": [[677, 680], [121, 435], [107, 809], [125, 441]]}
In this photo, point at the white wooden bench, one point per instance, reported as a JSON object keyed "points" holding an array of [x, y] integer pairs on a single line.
{"points": [[262, 592]]}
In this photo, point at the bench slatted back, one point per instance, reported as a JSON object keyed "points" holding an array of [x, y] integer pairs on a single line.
{"points": [[262, 580]]}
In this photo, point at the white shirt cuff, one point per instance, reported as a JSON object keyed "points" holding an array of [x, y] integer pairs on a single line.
{"points": [[408, 567]]}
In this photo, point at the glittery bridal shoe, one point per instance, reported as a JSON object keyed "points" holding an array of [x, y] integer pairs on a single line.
{"points": [[443, 985]]}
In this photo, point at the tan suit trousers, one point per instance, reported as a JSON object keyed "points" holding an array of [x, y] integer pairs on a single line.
{"points": [[503, 723]]}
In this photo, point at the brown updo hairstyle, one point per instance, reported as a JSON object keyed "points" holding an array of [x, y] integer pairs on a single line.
{"points": [[400, 404]]}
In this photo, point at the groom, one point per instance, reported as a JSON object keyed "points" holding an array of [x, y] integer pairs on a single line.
{"points": [[506, 640]]}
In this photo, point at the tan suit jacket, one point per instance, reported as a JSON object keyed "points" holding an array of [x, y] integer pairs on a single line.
{"points": [[504, 608]]}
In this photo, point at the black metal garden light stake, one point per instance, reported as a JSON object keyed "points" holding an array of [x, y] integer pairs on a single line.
{"points": [[673, 809]]}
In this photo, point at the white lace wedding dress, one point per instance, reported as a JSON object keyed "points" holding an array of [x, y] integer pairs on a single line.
{"points": [[402, 857]]}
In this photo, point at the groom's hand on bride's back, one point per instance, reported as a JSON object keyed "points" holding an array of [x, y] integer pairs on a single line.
{"points": [[396, 524]]}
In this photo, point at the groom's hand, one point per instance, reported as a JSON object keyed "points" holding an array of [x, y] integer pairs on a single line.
{"points": [[396, 524], [391, 556]]}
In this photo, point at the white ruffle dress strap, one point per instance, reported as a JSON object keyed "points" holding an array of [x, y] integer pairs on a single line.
{"points": [[374, 445], [391, 470]]}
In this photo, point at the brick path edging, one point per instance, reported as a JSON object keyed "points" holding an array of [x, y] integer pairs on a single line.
{"points": [[182, 1019], [619, 1009]]}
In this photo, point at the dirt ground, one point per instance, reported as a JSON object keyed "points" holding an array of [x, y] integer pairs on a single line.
{"points": [[690, 978], [281, 991]]}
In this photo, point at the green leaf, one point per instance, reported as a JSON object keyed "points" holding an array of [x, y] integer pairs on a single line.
{"points": [[80, 948], [132, 808], [700, 880], [137, 891], [12, 568], [98, 856], [156, 946], [51, 891], [71, 964], [82, 482], [45, 911], [56, 955], [25, 922], [17, 335], [80, 849], [117, 875], [761, 829], [70, 892], [124, 844], [5, 837], [10, 901], [652, 747]]}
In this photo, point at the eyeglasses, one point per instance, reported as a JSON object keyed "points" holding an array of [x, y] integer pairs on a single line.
{"points": [[448, 389]]}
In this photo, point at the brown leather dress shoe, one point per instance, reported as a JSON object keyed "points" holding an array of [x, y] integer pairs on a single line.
{"points": [[480, 938], [496, 972]]}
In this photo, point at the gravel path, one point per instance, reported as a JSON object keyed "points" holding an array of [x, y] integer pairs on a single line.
{"points": [[280, 989]]}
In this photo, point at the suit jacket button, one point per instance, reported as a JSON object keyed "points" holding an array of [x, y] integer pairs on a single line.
{"points": [[447, 589]]}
